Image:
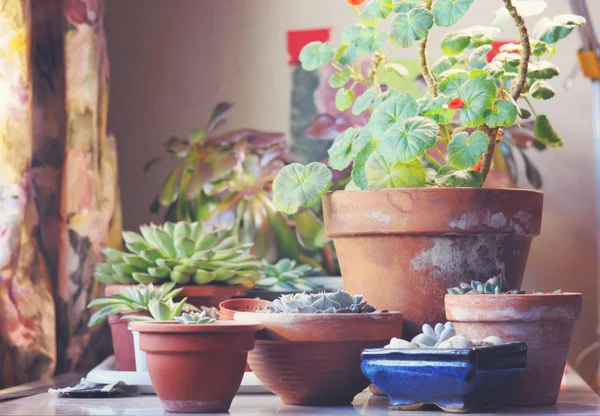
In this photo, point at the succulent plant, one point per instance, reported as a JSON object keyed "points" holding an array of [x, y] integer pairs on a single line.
{"points": [[285, 275], [196, 318], [334, 302], [161, 310], [226, 179], [181, 252], [493, 286], [442, 337], [433, 337]]}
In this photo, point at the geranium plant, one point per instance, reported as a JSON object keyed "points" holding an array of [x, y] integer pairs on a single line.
{"points": [[398, 148]]}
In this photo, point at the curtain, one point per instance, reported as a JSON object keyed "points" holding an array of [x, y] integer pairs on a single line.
{"points": [[59, 195]]}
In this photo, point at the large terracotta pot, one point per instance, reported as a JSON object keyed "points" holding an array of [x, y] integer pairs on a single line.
{"points": [[198, 295], [196, 368], [402, 248], [314, 359], [123, 341], [545, 322]]}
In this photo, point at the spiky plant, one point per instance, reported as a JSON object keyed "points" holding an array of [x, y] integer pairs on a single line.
{"points": [[181, 252], [133, 299], [493, 286], [195, 318], [285, 275], [335, 302]]}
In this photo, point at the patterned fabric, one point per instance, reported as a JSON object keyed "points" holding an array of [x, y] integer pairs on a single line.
{"points": [[59, 197]]}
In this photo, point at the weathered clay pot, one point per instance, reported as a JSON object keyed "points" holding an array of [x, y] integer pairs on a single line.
{"points": [[402, 248], [228, 307], [197, 295], [123, 341], [196, 368], [545, 322], [314, 359]]}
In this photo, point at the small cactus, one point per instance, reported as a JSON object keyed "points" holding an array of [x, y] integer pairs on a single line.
{"points": [[334, 302]]}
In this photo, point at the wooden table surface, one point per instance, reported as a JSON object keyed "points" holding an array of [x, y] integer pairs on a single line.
{"points": [[576, 399]]}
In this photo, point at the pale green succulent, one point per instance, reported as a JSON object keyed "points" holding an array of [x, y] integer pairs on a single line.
{"points": [[335, 302], [285, 275], [492, 287], [161, 310], [195, 318], [181, 252], [432, 337]]}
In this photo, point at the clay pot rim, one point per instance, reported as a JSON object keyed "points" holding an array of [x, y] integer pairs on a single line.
{"points": [[524, 296], [440, 190], [172, 327], [302, 317], [229, 303]]}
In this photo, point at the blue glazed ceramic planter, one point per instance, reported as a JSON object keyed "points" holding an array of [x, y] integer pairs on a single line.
{"points": [[457, 380]]}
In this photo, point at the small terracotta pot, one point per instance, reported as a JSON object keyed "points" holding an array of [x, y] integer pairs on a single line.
{"points": [[314, 359], [198, 295], [228, 307], [123, 341], [196, 368], [545, 322], [402, 248]]}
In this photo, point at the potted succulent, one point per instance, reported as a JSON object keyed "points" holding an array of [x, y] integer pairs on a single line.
{"points": [[196, 364], [128, 302], [309, 351], [414, 221], [544, 321], [210, 263], [225, 178]]}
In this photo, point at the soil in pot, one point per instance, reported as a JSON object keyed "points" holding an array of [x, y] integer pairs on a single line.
{"points": [[197, 295], [196, 368], [123, 341], [544, 321], [402, 248], [314, 359]]}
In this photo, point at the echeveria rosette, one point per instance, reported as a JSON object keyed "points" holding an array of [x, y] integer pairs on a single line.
{"points": [[395, 148]]}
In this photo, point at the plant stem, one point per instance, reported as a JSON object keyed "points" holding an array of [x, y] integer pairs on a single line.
{"points": [[530, 106], [517, 85], [431, 160], [441, 154], [446, 132], [424, 63]]}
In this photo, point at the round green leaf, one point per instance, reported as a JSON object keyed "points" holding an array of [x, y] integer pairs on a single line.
{"points": [[400, 70], [369, 40], [447, 12], [542, 70], [502, 114], [364, 101], [351, 34], [545, 133], [541, 90], [375, 11], [525, 114], [482, 35], [382, 174], [344, 99], [297, 185], [346, 146], [339, 79], [477, 57], [316, 55], [310, 230], [358, 167], [449, 176], [392, 111], [451, 81], [538, 48], [478, 94], [443, 64], [455, 43], [404, 6], [382, 98], [435, 109], [345, 54], [552, 30], [408, 141], [465, 151], [406, 28]]}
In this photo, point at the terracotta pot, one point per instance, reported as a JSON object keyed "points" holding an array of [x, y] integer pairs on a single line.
{"points": [[402, 248], [123, 341], [196, 368], [198, 295], [545, 322], [314, 359]]}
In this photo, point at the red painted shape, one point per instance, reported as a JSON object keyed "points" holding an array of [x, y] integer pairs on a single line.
{"points": [[297, 39]]}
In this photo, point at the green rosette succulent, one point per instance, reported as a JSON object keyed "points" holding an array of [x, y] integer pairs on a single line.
{"points": [[184, 253], [492, 286], [204, 317], [285, 276], [334, 302]]}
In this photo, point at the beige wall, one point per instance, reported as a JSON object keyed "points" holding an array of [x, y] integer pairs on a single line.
{"points": [[172, 60]]}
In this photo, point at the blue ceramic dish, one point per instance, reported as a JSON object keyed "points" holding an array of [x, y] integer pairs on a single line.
{"points": [[455, 380]]}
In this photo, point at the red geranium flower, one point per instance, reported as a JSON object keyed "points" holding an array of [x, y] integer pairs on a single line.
{"points": [[456, 103], [478, 165], [355, 2]]}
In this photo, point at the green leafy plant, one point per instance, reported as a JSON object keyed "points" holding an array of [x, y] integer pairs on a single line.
{"points": [[334, 302], [285, 275], [492, 286], [226, 180], [182, 253], [205, 317], [160, 310], [133, 299], [398, 147]]}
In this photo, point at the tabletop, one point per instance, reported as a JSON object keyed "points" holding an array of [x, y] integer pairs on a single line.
{"points": [[576, 398]]}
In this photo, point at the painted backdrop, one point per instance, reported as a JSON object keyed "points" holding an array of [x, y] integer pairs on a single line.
{"points": [[59, 196]]}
